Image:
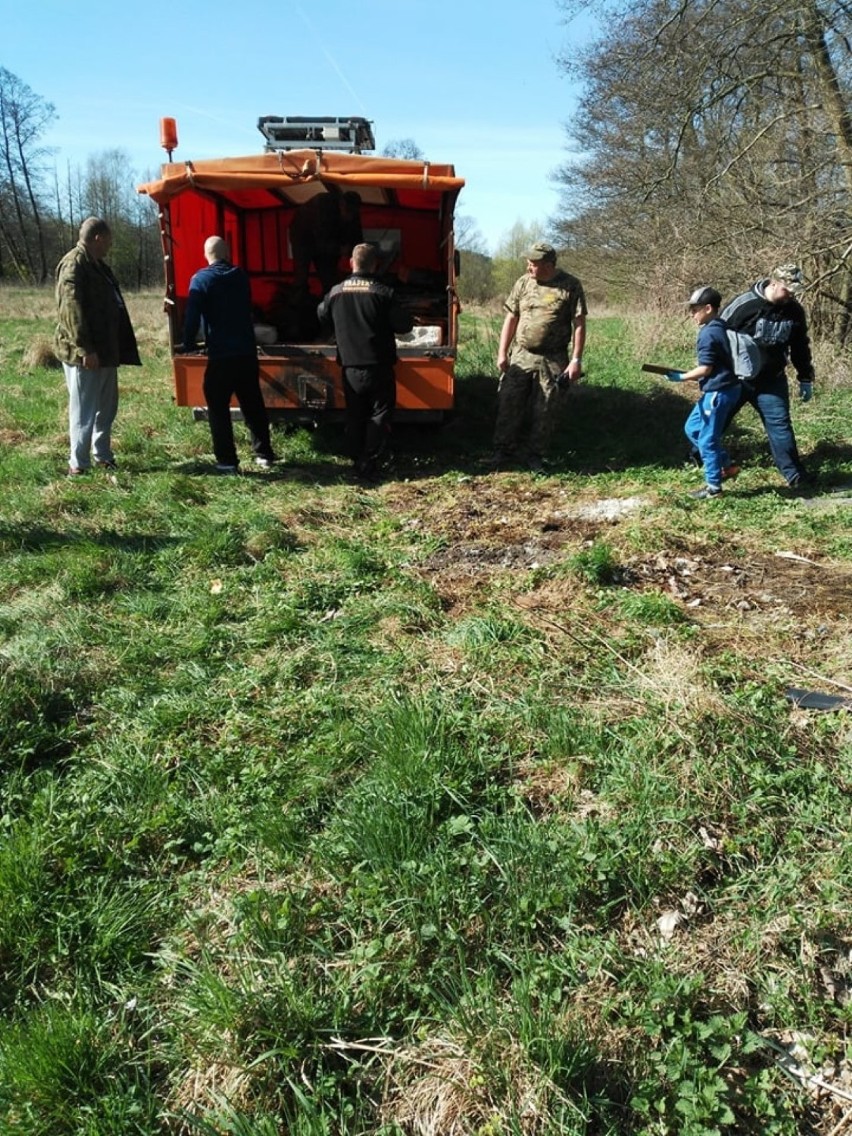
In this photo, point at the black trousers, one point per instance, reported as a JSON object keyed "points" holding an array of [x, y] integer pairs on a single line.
{"points": [[370, 394], [236, 376]]}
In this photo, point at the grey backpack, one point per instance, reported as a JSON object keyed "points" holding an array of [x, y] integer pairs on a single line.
{"points": [[745, 353]]}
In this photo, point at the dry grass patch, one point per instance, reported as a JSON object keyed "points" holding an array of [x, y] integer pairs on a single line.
{"points": [[671, 673], [832, 364], [149, 320], [553, 790], [40, 353], [448, 1087], [20, 303], [205, 1087]]}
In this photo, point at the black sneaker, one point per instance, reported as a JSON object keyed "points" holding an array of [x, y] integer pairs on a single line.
{"points": [[707, 491], [222, 467], [367, 471], [801, 485], [110, 465]]}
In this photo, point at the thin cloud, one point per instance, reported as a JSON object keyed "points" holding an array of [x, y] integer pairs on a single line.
{"points": [[331, 60]]}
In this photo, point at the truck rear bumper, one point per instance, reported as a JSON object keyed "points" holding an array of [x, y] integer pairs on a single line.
{"points": [[303, 382]]}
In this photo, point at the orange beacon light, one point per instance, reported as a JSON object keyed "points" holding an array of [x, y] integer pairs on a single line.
{"points": [[168, 135]]}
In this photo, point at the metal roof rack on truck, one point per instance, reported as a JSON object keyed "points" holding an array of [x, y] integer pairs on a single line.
{"points": [[351, 135]]}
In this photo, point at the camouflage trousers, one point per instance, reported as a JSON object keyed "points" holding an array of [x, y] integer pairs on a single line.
{"points": [[529, 387]]}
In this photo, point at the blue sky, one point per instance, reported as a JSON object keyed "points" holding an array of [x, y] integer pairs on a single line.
{"points": [[472, 83]]}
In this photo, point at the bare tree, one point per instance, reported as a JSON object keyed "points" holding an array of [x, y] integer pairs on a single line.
{"points": [[467, 234], [717, 138], [24, 116], [403, 148], [107, 188]]}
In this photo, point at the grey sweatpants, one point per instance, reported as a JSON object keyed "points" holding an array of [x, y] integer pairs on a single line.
{"points": [[92, 407]]}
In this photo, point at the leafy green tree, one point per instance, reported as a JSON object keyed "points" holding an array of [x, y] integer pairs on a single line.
{"points": [[475, 282], [509, 261]]}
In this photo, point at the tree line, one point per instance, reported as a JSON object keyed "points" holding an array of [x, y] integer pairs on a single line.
{"points": [[41, 210], [714, 141]]}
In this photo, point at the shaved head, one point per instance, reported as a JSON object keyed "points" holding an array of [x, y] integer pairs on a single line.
{"points": [[215, 248]]}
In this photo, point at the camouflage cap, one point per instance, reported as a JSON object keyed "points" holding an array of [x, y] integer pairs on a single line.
{"points": [[790, 275], [541, 250]]}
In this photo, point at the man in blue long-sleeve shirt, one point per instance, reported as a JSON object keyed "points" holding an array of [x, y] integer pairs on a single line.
{"points": [[220, 299]]}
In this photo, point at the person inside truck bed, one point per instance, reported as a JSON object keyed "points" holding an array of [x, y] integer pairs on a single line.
{"points": [[324, 229], [365, 316]]}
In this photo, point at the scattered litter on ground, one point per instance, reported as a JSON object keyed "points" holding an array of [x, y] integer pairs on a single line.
{"points": [[669, 922], [794, 556], [607, 509], [815, 700], [795, 1060]]}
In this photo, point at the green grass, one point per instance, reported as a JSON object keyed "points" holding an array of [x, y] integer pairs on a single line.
{"points": [[331, 810]]}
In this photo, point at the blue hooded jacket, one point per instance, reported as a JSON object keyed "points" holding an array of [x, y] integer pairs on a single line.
{"points": [[220, 298]]}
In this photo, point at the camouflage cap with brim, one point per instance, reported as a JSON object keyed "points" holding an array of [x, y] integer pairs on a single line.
{"points": [[541, 250], [790, 275]]}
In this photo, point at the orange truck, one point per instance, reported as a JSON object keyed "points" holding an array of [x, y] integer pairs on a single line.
{"points": [[406, 208]]}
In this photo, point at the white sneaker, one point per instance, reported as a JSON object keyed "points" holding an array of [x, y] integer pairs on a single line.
{"points": [[265, 463]]}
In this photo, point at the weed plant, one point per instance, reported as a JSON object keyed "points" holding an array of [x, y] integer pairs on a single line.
{"points": [[447, 805]]}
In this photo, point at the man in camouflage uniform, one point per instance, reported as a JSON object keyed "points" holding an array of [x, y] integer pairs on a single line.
{"points": [[545, 317]]}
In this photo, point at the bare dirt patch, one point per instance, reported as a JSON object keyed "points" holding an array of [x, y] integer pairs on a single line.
{"points": [[779, 582], [491, 525], [494, 532], [488, 526]]}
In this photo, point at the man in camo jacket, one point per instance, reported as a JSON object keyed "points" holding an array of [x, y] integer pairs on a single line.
{"points": [[545, 320]]}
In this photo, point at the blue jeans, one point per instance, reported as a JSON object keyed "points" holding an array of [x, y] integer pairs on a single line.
{"points": [[92, 407], [771, 400], [704, 428]]}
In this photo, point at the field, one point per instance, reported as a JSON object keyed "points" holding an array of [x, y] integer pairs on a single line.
{"points": [[466, 803]]}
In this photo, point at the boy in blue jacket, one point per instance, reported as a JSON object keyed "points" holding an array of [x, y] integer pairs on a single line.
{"points": [[720, 390]]}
